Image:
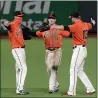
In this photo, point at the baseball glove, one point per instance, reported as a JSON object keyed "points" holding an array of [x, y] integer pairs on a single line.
{"points": [[27, 33], [44, 27]]}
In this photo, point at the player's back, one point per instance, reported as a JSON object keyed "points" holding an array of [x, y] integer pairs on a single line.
{"points": [[80, 33]]}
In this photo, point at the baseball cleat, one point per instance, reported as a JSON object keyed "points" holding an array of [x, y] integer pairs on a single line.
{"points": [[51, 91], [66, 94], [57, 89], [90, 93], [22, 92]]}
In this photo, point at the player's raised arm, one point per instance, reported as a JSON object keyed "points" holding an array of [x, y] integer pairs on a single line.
{"points": [[60, 27], [69, 28]]}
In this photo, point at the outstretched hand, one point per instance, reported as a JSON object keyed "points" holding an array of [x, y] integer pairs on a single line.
{"points": [[93, 21], [6, 23]]}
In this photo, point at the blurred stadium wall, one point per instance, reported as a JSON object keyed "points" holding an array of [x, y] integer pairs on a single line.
{"points": [[35, 12]]}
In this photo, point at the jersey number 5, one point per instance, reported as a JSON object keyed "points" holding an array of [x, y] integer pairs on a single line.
{"points": [[85, 34]]}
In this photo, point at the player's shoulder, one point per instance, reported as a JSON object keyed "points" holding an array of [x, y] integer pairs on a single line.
{"points": [[12, 23], [87, 23], [72, 25]]}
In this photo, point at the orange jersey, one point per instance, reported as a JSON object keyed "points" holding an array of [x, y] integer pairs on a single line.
{"points": [[80, 32], [15, 33], [53, 37]]}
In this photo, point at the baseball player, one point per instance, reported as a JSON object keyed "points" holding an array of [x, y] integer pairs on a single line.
{"points": [[79, 32], [53, 44], [18, 50]]}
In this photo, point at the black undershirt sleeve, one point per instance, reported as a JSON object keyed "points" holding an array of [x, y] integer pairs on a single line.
{"points": [[28, 34], [66, 28], [8, 27]]}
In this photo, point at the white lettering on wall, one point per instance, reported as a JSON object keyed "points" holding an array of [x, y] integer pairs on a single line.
{"points": [[7, 7], [1, 6], [19, 5], [28, 8], [36, 9], [46, 7]]}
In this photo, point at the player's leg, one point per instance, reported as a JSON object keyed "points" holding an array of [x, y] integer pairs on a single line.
{"points": [[58, 56], [49, 64], [17, 76], [84, 78], [19, 55], [76, 60], [23, 67], [52, 80], [17, 70]]}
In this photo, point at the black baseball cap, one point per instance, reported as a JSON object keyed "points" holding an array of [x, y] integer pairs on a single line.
{"points": [[18, 13], [74, 15], [52, 15]]}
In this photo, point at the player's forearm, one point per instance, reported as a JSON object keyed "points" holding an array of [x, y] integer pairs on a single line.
{"points": [[60, 27], [66, 33]]}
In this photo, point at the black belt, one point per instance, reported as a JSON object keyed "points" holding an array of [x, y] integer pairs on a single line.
{"points": [[21, 47], [76, 46], [52, 49]]}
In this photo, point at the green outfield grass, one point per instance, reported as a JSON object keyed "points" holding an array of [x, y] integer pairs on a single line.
{"points": [[37, 78]]}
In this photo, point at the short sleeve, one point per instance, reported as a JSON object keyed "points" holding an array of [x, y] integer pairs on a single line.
{"points": [[72, 28], [65, 33]]}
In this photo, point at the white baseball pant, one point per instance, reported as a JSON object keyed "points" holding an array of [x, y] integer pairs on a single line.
{"points": [[76, 70], [53, 59], [21, 67]]}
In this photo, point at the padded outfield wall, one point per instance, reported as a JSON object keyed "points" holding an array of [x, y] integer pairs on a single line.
{"points": [[35, 12]]}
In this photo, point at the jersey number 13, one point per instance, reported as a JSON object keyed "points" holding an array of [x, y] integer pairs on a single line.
{"points": [[85, 34]]}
